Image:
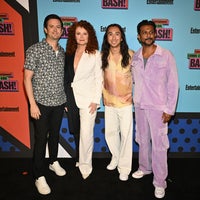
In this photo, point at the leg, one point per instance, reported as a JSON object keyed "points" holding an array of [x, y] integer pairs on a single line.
{"points": [[112, 134], [73, 120], [76, 139], [53, 140], [41, 132], [86, 142], [126, 147], [143, 138], [160, 144], [54, 132]]}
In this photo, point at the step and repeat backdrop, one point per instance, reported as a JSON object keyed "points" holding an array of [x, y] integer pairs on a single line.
{"points": [[21, 25]]}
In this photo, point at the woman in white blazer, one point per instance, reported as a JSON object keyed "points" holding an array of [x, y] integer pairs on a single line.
{"points": [[83, 59]]}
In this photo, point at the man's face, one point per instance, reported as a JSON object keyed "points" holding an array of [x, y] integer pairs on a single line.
{"points": [[114, 36], [54, 29], [147, 35]]}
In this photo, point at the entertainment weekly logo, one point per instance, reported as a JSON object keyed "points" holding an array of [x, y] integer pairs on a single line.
{"points": [[194, 59], [6, 28], [165, 34]]}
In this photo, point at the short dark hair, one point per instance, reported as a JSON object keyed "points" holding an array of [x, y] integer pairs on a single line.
{"points": [[145, 22], [52, 16]]}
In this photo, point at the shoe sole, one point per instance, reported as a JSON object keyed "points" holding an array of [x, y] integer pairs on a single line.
{"points": [[123, 179], [137, 177], [159, 196]]}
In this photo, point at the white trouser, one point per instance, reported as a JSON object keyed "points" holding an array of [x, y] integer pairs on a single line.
{"points": [[119, 136], [87, 122]]}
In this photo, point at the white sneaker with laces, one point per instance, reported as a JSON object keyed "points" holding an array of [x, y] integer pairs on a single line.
{"points": [[159, 192], [138, 174], [42, 186], [57, 168]]}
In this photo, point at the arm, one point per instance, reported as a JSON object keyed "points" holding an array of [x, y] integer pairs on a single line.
{"points": [[68, 77], [98, 83], [172, 90], [172, 86], [98, 79], [34, 110]]}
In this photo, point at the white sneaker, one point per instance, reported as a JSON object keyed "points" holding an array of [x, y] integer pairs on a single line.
{"points": [[123, 177], [159, 192], [57, 169], [42, 186], [138, 174], [111, 166]]}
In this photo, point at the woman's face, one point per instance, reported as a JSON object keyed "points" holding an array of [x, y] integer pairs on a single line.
{"points": [[81, 36]]}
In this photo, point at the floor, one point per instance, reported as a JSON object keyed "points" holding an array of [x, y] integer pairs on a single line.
{"points": [[17, 183]]}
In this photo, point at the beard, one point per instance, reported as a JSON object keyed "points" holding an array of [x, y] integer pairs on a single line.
{"points": [[144, 43]]}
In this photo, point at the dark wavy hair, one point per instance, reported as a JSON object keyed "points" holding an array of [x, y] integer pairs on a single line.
{"points": [[105, 48], [92, 38], [145, 22]]}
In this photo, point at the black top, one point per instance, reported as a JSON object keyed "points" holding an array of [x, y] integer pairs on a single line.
{"points": [[73, 110]]}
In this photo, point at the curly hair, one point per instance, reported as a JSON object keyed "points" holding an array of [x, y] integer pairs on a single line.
{"points": [[92, 44], [123, 48]]}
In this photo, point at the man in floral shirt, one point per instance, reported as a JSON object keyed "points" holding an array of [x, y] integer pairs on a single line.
{"points": [[44, 84]]}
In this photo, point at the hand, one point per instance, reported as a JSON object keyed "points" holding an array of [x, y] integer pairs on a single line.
{"points": [[166, 117], [35, 111], [93, 107]]}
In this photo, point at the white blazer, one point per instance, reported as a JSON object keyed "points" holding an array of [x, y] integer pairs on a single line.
{"points": [[87, 82]]}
